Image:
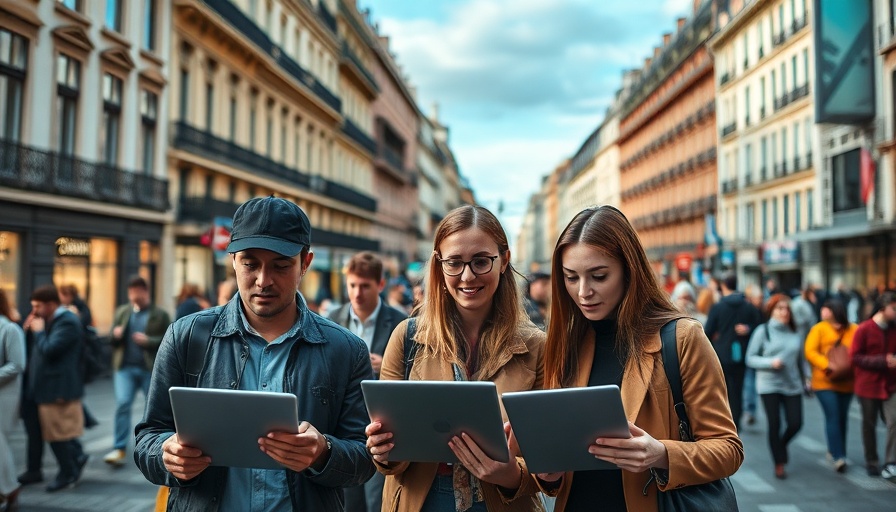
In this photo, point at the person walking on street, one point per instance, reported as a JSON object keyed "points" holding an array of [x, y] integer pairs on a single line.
{"points": [[55, 387], [834, 394], [12, 365], [538, 298], [264, 339], [776, 353], [471, 325], [873, 353], [190, 300], [71, 299], [137, 331], [728, 326], [372, 320]]}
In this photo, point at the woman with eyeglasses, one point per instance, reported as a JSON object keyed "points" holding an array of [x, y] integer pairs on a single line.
{"points": [[471, 325], [775, 351]]}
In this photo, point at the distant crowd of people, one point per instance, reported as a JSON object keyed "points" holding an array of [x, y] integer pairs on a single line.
{"points": [[593, 318]]}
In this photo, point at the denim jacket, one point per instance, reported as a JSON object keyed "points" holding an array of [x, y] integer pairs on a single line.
{"points": [[325, 370]]}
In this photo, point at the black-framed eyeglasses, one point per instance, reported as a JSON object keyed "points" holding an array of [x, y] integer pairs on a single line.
{"points": [[478, 265]]}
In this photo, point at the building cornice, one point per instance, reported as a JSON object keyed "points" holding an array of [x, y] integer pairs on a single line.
{"points": [[731, 29]]}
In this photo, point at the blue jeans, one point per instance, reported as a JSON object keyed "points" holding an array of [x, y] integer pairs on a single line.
{"points": [[441, 497], [835, 406], [750, 395], [127, 380]]}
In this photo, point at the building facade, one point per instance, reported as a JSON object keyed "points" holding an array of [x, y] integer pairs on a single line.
{"points": [[84, 198], [667, 148], [768, 144]]}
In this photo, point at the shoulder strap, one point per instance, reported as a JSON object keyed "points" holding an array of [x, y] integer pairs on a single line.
{"points": [[197, 345], [673, 375], [410, 347]]}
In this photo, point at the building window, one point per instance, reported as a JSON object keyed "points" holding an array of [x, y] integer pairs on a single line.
{"points": [[68, 78], [845, 187], [13, 66], [763, 149], [113, 15], [747, 105], [761, 97], [797, 214], [774, 82], [783, 78], [765, 219], [786, 207], [298, 142], [284, 120], [74, 5], [796, 145], [269, 130], [111, 117], [784, 149], [751, 222], [810, 208], [149, 105], [149, 24], [209, 105], [774, 219], [746, 51], [774, 149], [184, 94], [760, 37], [748, 164], [793, 67]]}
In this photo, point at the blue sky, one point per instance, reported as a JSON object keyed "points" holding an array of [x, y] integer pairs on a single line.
{"points": [[520, 83]]}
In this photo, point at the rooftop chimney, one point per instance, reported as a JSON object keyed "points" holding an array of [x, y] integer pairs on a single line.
{"points": [[680, 22], [657, 50], [667, 38], [647, 62]]}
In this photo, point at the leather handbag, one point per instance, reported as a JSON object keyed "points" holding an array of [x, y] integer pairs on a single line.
{"points": [[715, 496], [839, 362]]}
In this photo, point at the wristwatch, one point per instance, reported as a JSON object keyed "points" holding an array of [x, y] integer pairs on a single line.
{"points": [[329, 443]]}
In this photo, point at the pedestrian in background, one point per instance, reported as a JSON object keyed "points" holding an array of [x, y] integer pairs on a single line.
{"points": [[606, 315], [190, 300], [264, 339], [372, 320], [538, 298], [873, 353], [471, 325], [776, 353], [226, 290], [705, 300], [12, 365], [137, 331], [71, 299], [729, 326], [54, 389], [833, 395]]}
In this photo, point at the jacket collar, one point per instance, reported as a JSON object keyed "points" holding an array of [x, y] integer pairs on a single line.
{"points": [[230, 323], [638, 371]]}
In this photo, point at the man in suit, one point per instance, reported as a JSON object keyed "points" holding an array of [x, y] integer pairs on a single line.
{"points": [[372, 320]]}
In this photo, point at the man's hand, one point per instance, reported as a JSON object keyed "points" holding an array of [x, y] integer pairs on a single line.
{"points": [[299, 451], [182, 461], [376, 361], [891, 361], [117, 331], [140, 339], [742, 329], [37, 324]]}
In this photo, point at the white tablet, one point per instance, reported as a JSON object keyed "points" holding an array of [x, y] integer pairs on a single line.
{"points": [[226, 424], [424, 415], [555, 427]]}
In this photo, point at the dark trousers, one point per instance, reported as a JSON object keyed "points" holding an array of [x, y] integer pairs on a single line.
{"points": [[734, 380], [67, 454], [35, 446], [792, 405], [367, 496]]}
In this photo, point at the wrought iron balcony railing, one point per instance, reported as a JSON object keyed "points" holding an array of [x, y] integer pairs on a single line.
{"points": [[26, 168], [358, 135]]}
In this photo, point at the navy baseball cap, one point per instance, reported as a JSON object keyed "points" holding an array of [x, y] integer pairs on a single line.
{"points": [[270, 223]]}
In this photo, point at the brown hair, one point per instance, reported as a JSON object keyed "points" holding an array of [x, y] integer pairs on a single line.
{"points": [[705, 299], [5, 306], [46, 293], [773, 301], [365, 265], [644, 308], [188, 290], [439, 322]]}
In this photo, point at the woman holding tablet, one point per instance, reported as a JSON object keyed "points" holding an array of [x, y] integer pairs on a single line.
{"points": [[471, 325], [605, 329]]}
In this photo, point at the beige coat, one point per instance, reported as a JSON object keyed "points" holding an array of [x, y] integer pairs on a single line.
{"points": [[408, 483], [718, 451]]}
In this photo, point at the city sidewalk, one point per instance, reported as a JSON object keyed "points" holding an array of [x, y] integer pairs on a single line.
{"points": [[102, 487]]}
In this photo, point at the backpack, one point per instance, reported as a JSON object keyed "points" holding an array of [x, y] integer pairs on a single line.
{"points": [[93, 356]]}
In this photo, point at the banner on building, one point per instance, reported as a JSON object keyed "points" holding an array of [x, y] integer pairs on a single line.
{"points": [[217, 238], [867, 171], [844, 61]]}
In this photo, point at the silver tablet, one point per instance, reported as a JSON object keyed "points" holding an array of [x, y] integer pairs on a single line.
{"points": [[424, 415], [555, 427], [226, 424]]}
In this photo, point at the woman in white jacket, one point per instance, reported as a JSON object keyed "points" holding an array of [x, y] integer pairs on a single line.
{"points": [[776, 352], [12, 364]]}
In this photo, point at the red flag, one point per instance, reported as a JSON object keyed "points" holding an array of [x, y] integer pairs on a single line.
{"points": [[866, 174]]}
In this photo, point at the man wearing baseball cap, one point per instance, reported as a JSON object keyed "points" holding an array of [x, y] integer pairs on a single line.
{"points": [[264, 339]]}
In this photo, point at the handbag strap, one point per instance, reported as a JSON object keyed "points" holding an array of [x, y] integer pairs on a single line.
{"points": [[673, 375], [410, 347], [197, 345]]}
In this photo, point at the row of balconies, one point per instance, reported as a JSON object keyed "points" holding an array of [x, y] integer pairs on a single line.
{"points": [[777, 40], [689, 122], [670, 174], [779, 170], [30, 169], [203, 143], [676, 214]]}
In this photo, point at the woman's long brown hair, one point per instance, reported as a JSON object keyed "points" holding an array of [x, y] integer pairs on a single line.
{"points": [[644, 308], [439, 321]]}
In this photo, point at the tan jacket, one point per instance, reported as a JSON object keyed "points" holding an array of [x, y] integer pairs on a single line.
{"points": [[718, 451], [408, 483]]}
